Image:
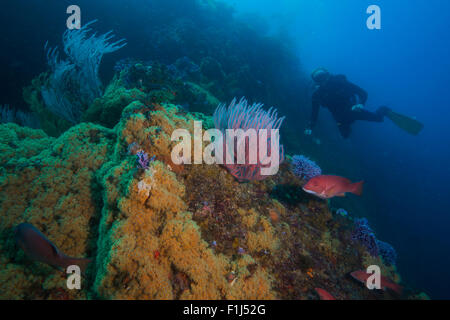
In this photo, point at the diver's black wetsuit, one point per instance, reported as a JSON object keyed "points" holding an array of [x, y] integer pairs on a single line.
{"points": [[339, 96]]}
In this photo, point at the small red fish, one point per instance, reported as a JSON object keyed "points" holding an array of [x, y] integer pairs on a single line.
{"points": [[324, 295], [327, 187], [37, 247], [362, 276], [156, 254]]}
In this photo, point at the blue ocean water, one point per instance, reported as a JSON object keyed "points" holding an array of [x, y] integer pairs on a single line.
{"points": [[405, 66]]}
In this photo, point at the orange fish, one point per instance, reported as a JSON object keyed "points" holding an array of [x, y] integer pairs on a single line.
{"points": [[37, 247], [327, 187], [362, 276], [324, 295]]}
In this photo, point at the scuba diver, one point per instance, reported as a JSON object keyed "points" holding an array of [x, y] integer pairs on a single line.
{"points": [[346, 100]]}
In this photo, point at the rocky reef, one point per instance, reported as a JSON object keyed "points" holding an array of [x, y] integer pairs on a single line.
{"points": [[165, 231]]}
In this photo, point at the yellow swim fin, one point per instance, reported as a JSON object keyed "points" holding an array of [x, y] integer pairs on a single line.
{"points": [[410, 125]]}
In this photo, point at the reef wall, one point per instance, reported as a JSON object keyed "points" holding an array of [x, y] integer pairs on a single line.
{"points": [[168, 231]]}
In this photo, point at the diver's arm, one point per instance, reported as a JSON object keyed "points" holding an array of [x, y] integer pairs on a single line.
{"points": [[360, 92]]}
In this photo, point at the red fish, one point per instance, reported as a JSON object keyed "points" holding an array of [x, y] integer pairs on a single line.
{"points": [[327, 187], [362, 276], [37, 247], [324, 295]]}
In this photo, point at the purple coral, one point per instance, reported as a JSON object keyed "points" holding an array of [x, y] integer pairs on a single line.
{"points": [[387, 252], [143, 160], [363, 234], [243, 116], [305, 168]]}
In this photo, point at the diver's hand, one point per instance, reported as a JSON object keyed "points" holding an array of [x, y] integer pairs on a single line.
{"points": [[357, 107], [308, 132]]}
